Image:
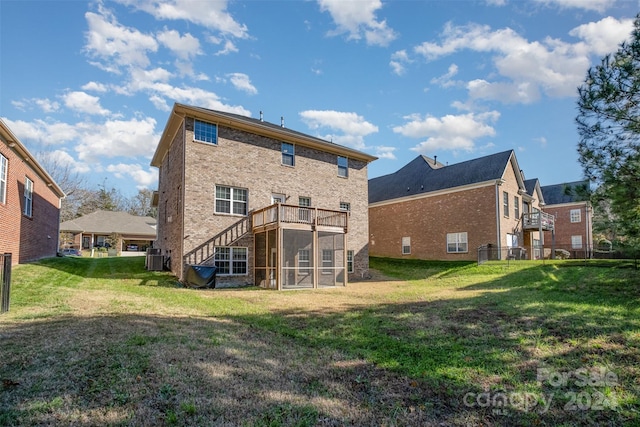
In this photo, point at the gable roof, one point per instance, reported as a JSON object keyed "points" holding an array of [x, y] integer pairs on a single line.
{"points": [[248, 124], [421, 176], [569, 192], [534, 190], [14, 143], [108, 222]]}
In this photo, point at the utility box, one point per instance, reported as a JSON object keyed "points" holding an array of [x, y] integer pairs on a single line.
{"points": [[155, 262]]}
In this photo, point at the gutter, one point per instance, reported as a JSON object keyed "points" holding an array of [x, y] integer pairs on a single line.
{"points": [[499, 182]]}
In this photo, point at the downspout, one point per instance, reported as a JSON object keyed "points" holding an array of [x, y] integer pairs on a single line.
{"points": [[499, 240], [183, 191]]}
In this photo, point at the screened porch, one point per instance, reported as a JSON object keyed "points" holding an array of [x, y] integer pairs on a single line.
{"points": [[299, 247]]}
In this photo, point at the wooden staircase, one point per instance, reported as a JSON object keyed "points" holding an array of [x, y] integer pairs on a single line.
{"points": [[227, 237]]}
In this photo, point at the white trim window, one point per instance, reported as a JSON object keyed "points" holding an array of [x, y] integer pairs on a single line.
{"points": [[230, 200], [231, 260], [304, 262], [4, 166], [304, 215], [575, 215], [28, 197], [343, 166], [345, 206], [350, 261], [327, 261], [576, 242], [516, 207], [288, 154], [457, 242], [205, 132], [505, 203], [406, 245]]}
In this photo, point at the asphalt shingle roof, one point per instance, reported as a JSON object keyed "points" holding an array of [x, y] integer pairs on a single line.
{"points": [[107, 222], [418, 176], [569, 192]]}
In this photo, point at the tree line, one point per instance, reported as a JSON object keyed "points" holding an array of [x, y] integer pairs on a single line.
{"points": [[81, 199]]}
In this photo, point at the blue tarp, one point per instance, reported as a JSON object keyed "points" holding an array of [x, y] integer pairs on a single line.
{"points": [[201, 276]]}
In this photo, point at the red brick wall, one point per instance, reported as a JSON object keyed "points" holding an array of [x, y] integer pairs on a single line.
{"points": [[565, 228], [27, 238], [428, 220]]}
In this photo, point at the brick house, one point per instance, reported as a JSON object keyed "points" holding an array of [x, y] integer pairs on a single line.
{"points": [[266, 205], [29, 203], [125, 233], [427, 210], [570, 206]]}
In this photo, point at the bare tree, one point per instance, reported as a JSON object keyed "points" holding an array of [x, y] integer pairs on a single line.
{"points": [[71, 182]]}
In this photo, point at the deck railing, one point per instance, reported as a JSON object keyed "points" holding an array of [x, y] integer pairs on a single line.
{"points": [[291, 214], [538, 220]]}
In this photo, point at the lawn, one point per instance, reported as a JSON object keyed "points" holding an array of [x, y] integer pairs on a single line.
{"points": [[105, 342]]}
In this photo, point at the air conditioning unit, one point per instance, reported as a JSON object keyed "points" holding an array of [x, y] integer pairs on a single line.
{"points": [[155, 262]]}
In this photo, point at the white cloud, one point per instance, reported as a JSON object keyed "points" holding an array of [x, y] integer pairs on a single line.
{"points": [[116, 138], [84, 103], [242, 82], [43, 133], [445, 79], [604, 36], [184, 47], [229, 47], [349, 123], [383, 152], [398, 61], [61, 157], [527, 69], [358, 19], [115, 45], [144, 178], [596, 5], [211, 14], [94, 86], [352, 127], [449, 132]]}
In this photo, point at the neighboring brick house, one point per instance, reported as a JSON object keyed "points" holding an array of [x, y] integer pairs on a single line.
{"points": [[570, 206], [427, 210], [267, 205], [29, 203], [122, 231]]}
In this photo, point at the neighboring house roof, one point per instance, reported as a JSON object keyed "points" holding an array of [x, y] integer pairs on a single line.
{"points": [[424, 175], [534, 190], [14, 143], [108, 222], [256, 126], [570, 192]]}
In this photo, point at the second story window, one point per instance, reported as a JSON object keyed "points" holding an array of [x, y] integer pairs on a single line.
{"points": [[205, 132], [505, 203], [288, 154], [345, 206], [575, 215], [3, 178], [516, 207], [343, 166], [28, 197], [231, 200]]}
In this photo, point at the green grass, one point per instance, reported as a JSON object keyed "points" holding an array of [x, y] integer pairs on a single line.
{"points": [[103, 341]]}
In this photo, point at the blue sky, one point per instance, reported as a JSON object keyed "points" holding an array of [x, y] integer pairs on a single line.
{"points": [[93, 82]]}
